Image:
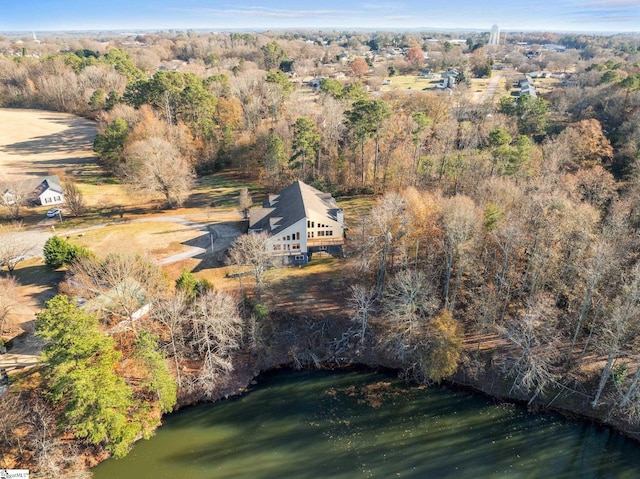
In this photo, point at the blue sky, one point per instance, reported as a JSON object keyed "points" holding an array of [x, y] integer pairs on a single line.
{"points": [[547, 15]]}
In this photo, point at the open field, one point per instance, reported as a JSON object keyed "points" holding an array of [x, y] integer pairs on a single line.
{"points": [[36, 142], [410, 82]]}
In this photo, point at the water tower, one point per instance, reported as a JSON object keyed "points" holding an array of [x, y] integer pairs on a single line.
{"points": [[494, 37]]}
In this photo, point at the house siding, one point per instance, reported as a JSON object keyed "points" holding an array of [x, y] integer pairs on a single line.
{"points": [[50, 197], [300, 220]]}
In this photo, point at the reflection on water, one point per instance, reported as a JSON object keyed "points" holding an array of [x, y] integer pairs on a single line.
{"points": [[360, 425]]}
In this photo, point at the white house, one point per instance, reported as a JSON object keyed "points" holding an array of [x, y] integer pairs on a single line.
{"points": [[48, 191], [300, 220], [42, 191]]}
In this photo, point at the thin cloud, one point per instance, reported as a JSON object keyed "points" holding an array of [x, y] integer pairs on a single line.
{"points": [[607, 5], [398, 17], [605, 17], [264, 12], [385, 6]]}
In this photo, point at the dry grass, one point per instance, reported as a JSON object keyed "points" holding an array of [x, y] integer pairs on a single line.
{"points": [[156, 238], [410, 82], [39, 142]]}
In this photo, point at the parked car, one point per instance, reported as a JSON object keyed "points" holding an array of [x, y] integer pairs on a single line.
{"points": [[53, 213]]}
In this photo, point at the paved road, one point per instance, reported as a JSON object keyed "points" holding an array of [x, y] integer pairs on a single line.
{"points": [[223, 236]]}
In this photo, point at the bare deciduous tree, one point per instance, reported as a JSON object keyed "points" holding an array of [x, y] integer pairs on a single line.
{"points": [[172, 314], [459, 222], [154, 164], [13, 250], [534, 342], [14, 195], [74, 200], [217, 329], [619, 325], [382, 230], [245, 202], [408, 300], [124, 282], [251, 250], [362, 305], [8, 301]]}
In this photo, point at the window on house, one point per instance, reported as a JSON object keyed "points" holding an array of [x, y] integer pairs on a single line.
{"points": [[329, 232], [322, 248], [312, 224], [295, 246], [320, 233], [277, 247], [298, 257], [288, 237]]}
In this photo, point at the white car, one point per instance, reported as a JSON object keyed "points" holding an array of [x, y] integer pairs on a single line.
{"points": [[53, 213]]}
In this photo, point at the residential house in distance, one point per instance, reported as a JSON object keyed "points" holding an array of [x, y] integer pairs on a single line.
{"points": [[300, 221], [42, 191], [47, 191], [527, 87]]}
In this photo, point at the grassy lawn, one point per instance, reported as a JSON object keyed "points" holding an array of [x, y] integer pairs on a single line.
{"points": [[156, 238], [355, 207], [221, 190]]}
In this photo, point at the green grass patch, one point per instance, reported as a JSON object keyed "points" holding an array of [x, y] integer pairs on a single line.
{"points": [[355, 207], [410, 82], [221, 190]]}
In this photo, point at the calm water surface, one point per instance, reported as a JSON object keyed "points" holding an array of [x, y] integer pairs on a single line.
{"points": [[359, 425]]}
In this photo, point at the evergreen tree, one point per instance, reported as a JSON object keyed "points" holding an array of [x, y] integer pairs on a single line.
{"points": [[80, 373]]}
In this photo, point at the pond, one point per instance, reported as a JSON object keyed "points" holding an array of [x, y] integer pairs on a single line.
{"points": [[319, 424]]}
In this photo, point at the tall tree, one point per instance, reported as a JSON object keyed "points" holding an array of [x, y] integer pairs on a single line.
{"points": [[364, 119], [459, 223], [620, 325], [80, 364], [155, 164], [251, 250], [9, 294], [445, 346], [306, 143], [73, 197], [415, 56], [109, 146], [273, 55], [275, 163], [245, 202], [157, 378], [217, 329], [359, 67]]}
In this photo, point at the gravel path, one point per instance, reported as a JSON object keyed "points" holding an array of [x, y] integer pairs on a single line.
{"points": [[490, 92]]}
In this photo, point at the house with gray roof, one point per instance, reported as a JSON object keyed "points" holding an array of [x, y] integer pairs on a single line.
{"points": [[300, 221], [41, 191], [47, 191]]}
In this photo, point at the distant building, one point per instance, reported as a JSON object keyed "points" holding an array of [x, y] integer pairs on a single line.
{"points": [[527, 87], [300, 221], [494, 36]]}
